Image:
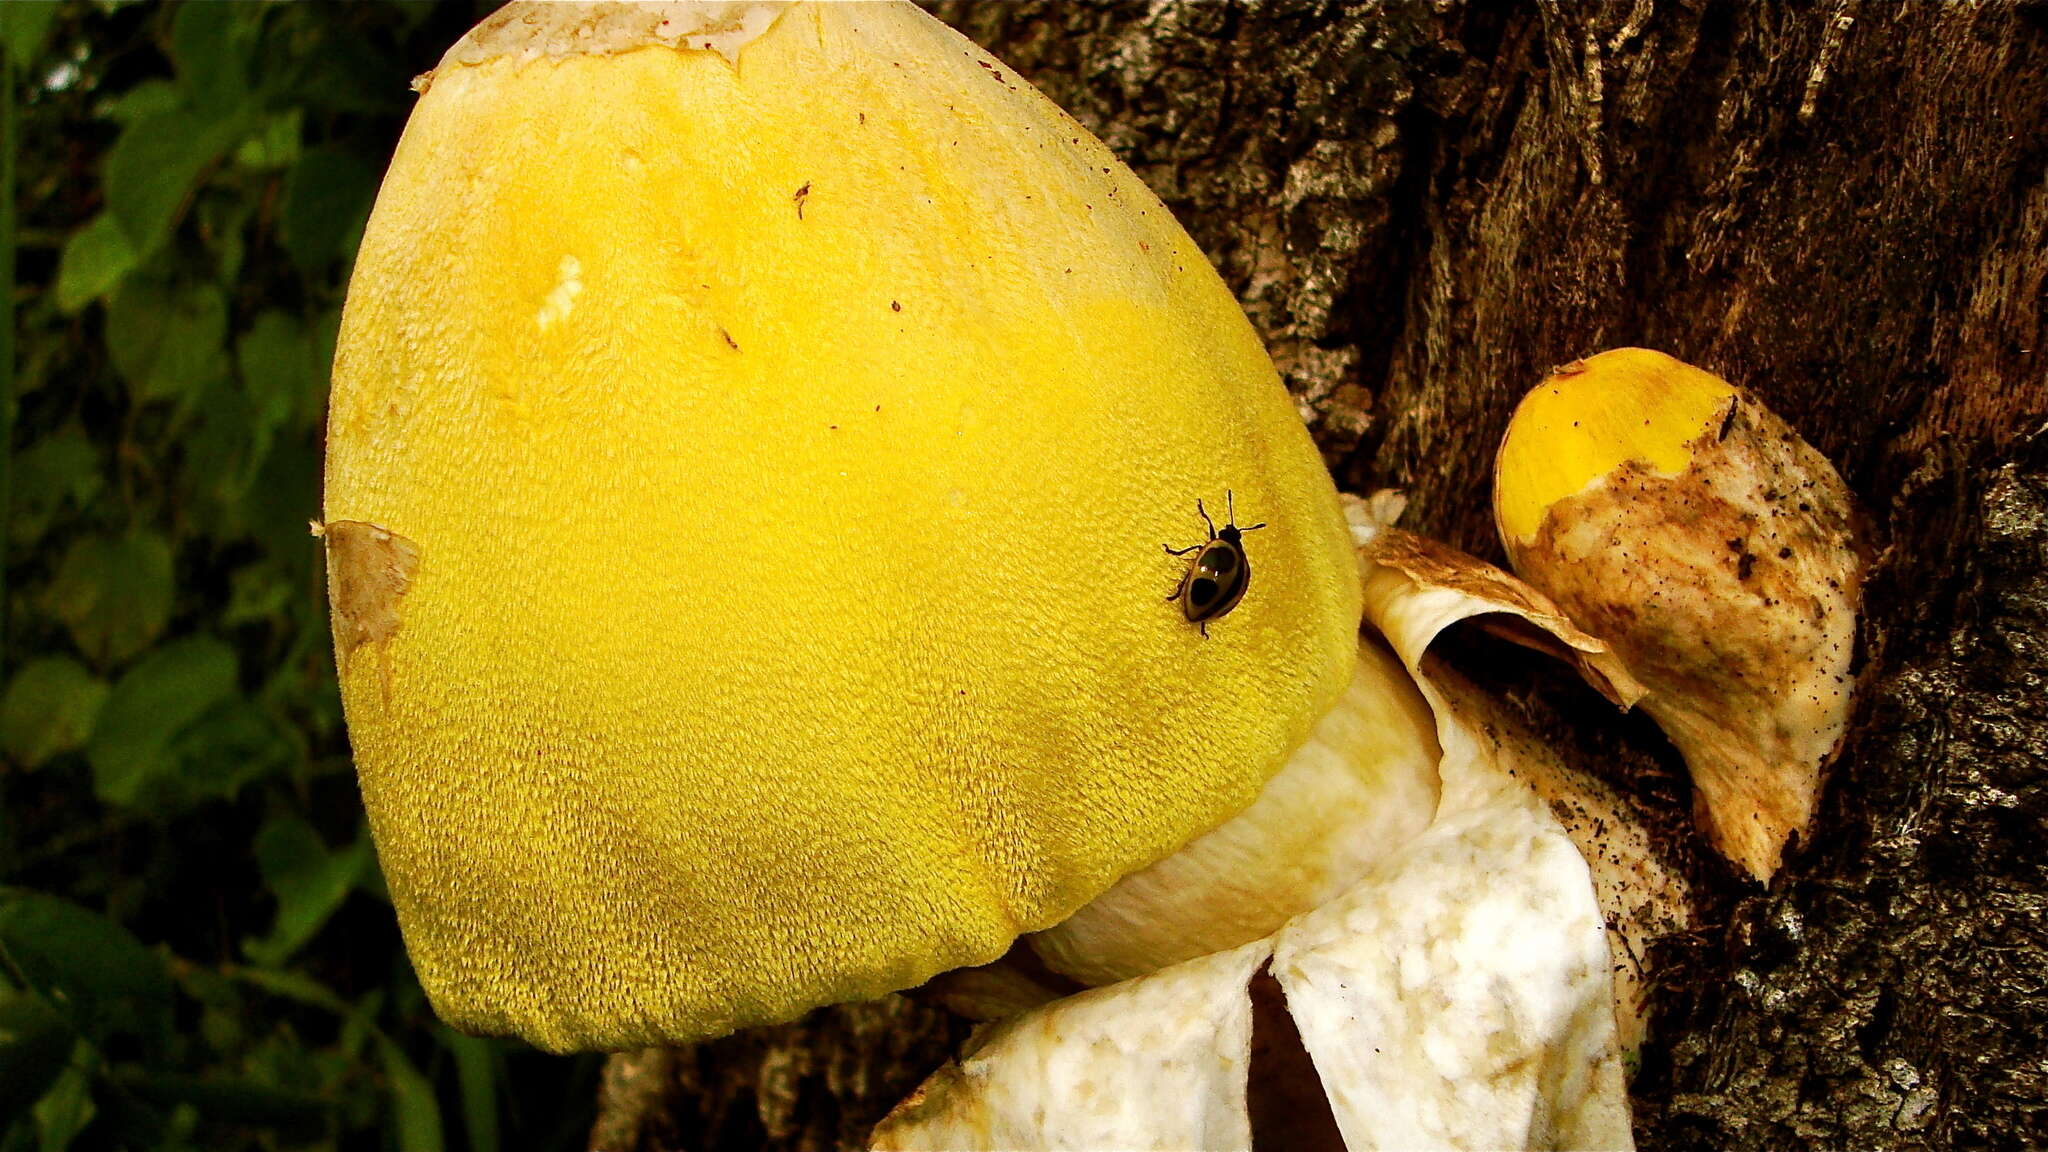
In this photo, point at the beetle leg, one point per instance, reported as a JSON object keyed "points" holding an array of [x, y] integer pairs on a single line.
{"points": [[1205, 517], [1172, 551], [1180, 588]]}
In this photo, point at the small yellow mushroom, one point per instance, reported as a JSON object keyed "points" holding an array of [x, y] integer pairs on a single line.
{"points": [[776, 414], [1672, 515]]}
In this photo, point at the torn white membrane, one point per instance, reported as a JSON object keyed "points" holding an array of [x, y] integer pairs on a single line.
{"points": [[1156, 1062], [1414, 589], [1456, 998]]}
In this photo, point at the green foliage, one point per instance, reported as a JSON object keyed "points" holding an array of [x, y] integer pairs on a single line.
{"points": [[96, 258], [309, 880], [49, 709], [167, 340], [59, 475], [196, 948], [33, 1054], [133, 750], [326, 198], [113, 593], [26, 29], [80, 961]]}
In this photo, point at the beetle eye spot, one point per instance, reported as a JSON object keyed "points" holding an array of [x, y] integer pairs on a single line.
{"points": [[1202, 591], [1221, 561]]}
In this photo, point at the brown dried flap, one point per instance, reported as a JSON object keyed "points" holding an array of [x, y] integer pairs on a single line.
{"points": [[369, 571]]}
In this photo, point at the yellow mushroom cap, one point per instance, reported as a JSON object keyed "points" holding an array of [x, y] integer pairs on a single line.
{"points": [[1671, 514], [1590, 417], [753, 435]]}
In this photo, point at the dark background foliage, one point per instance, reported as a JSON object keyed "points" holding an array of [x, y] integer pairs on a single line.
{"points": [[195, 946]]}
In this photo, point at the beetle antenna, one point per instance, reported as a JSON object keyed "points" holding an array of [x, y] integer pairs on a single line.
{"points": [[1230, 503], [1205, 517]]}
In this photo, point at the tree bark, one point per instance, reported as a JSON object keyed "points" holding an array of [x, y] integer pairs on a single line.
{"points": [[1842, 207]]}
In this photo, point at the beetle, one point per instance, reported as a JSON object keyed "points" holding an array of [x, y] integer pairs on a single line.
{"points": [[1218, 575]]}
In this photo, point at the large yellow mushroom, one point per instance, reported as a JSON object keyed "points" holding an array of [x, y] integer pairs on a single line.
{"points": [[754, 433]]}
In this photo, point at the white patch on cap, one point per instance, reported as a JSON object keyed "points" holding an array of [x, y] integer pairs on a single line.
{"points": [[562, 298], [524, 31]]}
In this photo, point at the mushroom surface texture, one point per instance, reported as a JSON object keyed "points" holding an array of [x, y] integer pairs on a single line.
{"points": [[1363, 784], [1672, 515], [754, 435]]}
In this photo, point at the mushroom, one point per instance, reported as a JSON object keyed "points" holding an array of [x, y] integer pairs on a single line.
{"points": [[758, 436], [1670, 513], [1457, 993], [1363, 784]]}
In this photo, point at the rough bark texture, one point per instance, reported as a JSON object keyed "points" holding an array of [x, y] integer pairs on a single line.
{"points": [[1842, 207], [818, 1084]]}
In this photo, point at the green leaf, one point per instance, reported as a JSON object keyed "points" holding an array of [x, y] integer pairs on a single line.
{"points": [[167, 343], [226, 1022], [33, 1041], [352, 73], [281, 1061], [414, 1112], [281, 386], [223, 447], [58, 473], [95, 259], [258, 593], [81, 962], [326, 200], [278, 376], [113, 593], [232, 1100], [276, 358], [277, 144], [156, 700], [232, 744], [211, 45], [176, 1133], [477, 1063], [67, 1107], [326, 329], [297, 986], [48, 710], [223, 224], [26, 25], [285, 495], [309, 881], [145, 99], [154, 163]]}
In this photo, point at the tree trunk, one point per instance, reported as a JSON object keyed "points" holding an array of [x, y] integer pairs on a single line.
{"points": [[1842, 207]]}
